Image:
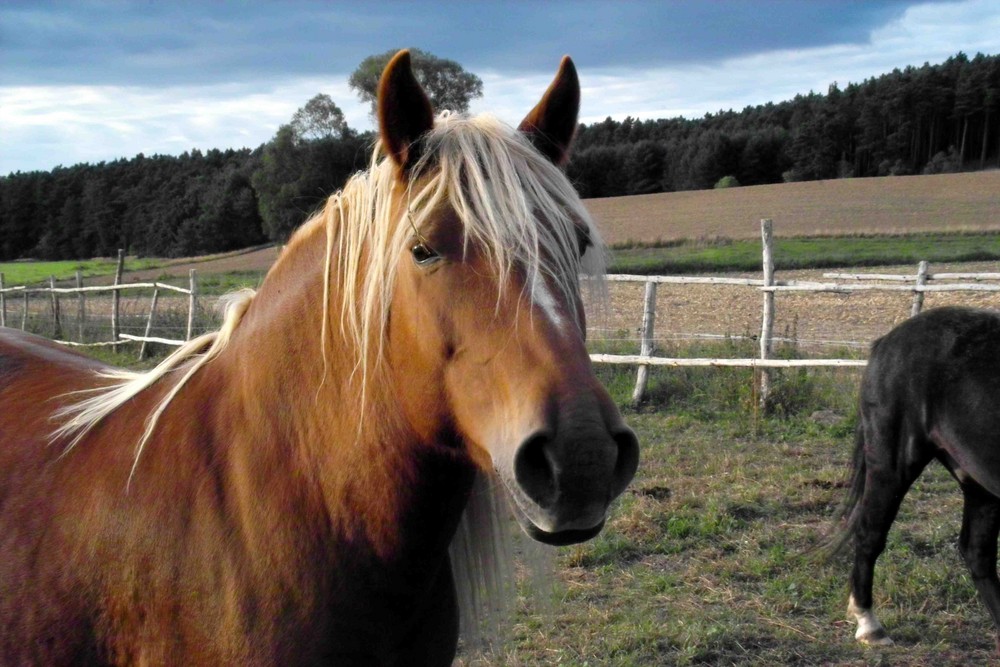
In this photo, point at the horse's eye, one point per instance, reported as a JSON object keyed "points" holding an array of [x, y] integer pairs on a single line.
{"points": [[423, 255]]}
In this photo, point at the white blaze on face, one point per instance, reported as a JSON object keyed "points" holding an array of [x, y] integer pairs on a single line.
{"points": [[542, 297]]}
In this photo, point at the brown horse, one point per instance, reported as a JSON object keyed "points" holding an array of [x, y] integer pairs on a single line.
{"points": [[284, 491]]}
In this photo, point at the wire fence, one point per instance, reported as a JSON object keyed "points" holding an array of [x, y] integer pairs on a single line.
{"points": [[645, 342], [107, 315]]}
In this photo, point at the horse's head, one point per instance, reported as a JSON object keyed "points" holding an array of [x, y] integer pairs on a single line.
{"points": [[486, 331]]}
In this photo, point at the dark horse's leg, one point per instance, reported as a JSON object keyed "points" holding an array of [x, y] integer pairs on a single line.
{"points": [[893, 457], [978, 544]]}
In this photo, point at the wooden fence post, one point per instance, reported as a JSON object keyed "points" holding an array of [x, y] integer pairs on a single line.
{"points": [[81, 308], [56, 324], [149, 323], [918, 296], [646, 346], [767, 320], [116, 299], [192, 300], [3, 303]]}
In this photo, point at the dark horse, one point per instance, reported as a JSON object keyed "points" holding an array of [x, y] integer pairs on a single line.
{"points": [[931, 391], [284, 491]]}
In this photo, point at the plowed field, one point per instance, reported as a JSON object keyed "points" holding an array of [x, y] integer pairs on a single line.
{"points": [[894, 205]]}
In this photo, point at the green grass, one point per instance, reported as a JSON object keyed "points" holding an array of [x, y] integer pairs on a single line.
{"points": [[713, 554], [804, 253], [27, 273]]}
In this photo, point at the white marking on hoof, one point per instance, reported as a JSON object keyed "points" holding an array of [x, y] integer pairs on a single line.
{"points": [[877, 638], [870, 631]]}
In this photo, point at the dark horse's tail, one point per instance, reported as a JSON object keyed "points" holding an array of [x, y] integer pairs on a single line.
{"points": [[847, 517]]}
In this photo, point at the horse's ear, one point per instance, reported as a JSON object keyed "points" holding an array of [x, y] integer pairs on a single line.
{"points": [[404, 112], [552, 123]]}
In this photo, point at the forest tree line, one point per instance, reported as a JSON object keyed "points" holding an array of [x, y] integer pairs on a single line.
{"points": [[929, 119]]}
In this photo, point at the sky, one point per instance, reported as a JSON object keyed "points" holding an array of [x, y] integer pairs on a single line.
{"points": [[98, 80]]}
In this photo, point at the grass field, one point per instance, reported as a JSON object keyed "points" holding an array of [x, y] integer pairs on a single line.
{"points": [[688, 256], [816, 252], [712, 556], [26, 273]]}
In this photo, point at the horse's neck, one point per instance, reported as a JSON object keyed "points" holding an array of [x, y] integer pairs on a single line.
{"points": [[303, 413]]}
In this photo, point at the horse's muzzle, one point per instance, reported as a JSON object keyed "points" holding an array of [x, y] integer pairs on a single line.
{"points": [[563, 486]]}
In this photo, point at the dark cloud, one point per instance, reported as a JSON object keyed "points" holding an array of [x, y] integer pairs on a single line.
{"points": [[173, 43]]}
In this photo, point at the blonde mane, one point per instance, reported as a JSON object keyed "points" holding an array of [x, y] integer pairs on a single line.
{"points": [[78, 418]]}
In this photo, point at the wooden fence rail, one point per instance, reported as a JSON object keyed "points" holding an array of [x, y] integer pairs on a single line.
{"points": [[770, 287], [117, 338]]}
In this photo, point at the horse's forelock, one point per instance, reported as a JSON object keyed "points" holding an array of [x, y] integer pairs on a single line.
{"points": [[515, 205]]}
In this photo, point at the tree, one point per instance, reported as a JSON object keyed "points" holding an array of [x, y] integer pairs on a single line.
{"points": [[645, 164], [295, 177], [727, 182], [320, 118], [446, 82]]}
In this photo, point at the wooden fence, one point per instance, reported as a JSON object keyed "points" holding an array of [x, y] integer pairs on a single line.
{"points": [[918, 283], [59, 319], [770, 287]]}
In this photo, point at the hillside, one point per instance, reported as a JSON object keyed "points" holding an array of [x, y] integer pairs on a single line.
{"points": [[889, 205]]}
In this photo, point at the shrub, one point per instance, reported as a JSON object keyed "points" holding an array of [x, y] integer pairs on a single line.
{"points": [[727, 182]]}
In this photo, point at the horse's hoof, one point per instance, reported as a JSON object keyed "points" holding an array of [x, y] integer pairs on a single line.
{"points": [[875, 638]]}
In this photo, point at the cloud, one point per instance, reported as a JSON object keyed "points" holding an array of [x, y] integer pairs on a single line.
{"points": [[46, 126], [924, 33], [53, 123], [186, 43]]}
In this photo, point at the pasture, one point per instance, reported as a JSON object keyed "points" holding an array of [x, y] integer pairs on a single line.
{"points": [[804, 252], [713, 555]]}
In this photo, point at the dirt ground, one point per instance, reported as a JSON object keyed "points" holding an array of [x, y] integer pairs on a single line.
{"points": [[255, 259], [890, 205]]}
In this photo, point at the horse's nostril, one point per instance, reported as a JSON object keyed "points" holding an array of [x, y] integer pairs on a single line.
{"points": [[534, 470], [628, 459]]}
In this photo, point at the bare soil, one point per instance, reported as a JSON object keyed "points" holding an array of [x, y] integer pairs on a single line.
{"points": [[891, 205]]}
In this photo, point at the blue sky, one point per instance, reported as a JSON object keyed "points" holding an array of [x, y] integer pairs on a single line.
{"points": [[88, 81]]}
